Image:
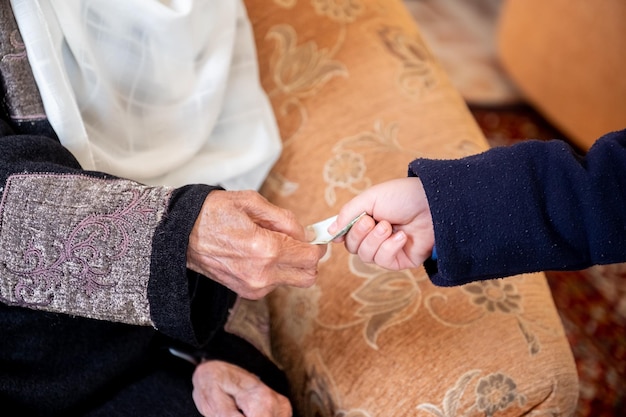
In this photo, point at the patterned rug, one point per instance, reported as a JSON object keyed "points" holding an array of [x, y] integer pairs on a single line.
{"points": [[592, 302]]}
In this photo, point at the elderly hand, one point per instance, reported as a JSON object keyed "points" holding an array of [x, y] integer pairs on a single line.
{"points": [[224, 389], [398, 233], [250, 245]]}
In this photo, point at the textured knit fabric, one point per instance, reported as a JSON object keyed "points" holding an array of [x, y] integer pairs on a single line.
{"points": [[534, 206]]}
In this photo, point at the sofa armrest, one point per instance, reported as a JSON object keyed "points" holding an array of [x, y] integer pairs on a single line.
{"points": [[358, 95]]}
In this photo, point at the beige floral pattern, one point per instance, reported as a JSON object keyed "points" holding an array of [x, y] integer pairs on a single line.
{"points": [[288, 4], [489, 297], [292, 108], [382, 138], [302, 309], [495, 296], [387, 298], [320, 393], [344, 11], [300, 70], [346, 168], [418, 74], [495, 392], [280, 185]]}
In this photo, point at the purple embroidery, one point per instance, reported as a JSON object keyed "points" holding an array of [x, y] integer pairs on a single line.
{"points": [[18, 45], [97, 240]]}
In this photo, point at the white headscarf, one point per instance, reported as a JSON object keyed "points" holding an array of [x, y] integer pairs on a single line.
{"points": [[161, 92]]}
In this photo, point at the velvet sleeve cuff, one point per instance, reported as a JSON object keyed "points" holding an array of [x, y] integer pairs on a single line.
{"points": [[184, 305]]}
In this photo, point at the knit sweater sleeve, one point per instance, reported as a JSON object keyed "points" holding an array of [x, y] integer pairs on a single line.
{"points": [[93, 245], [530, 207]]}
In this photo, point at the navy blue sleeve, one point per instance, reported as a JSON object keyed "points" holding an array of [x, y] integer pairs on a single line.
{"points": [[533, 206]]}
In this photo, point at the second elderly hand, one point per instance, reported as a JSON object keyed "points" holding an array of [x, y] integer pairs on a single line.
{"points": [[320, 230]]}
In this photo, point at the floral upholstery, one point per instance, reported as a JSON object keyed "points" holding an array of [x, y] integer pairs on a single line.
{"points": [[358, 95]]}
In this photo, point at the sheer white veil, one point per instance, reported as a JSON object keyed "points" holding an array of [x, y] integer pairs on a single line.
{"points": [[161, 92]]}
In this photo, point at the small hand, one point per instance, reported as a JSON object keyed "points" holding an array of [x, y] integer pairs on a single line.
{"points": [[250, 245], [398, 233], [226, 390]]}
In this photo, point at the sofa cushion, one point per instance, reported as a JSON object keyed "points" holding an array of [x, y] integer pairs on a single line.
{"points": [[358, 95]]}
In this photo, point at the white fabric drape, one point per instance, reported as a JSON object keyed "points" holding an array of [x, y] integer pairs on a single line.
{"points": [[161, 92]]}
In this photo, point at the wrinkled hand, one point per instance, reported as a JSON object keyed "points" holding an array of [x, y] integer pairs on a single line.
{"points": [[250, 245], [398, 233], [225, 390]]}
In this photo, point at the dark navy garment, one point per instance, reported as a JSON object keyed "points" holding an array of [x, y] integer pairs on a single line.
{"points": [[55, 364], [530, 207], [64, 364]]}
